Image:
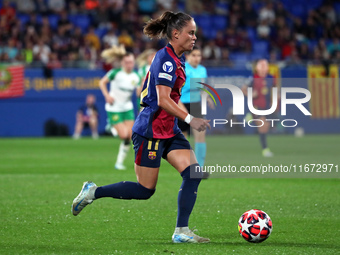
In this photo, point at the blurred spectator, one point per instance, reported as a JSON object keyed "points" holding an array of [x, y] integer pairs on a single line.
{"points": [[56, 5], [310, 29], [333, 46], [211, 51], [322, 47], [110, 38], [220, 40], [91, 5], [41, 7], [27, 53], [280, 10], [41, 51], [26, 6], [226, 58], [11, 50], [298, 27], [93, 39], [65, 22], [8, 12], [336, 59], [244, 43], [78, 35], [288, 49], [125, 39], [87, 117], [194, 6], [263, 30], [88, 54], [33, 23], [54, 62], [267, 13], [249, 15], [231, 39], [102, 17], [303, 52], [146, 6]]}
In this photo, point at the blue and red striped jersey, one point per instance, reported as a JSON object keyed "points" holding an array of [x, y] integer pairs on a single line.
{"points": [[169, 70]]}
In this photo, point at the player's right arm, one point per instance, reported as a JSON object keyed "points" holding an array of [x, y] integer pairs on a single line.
{"points": [[103, 87]]}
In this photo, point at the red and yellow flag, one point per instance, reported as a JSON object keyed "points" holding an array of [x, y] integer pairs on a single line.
{"points": [[324, 103], [11, 81]]}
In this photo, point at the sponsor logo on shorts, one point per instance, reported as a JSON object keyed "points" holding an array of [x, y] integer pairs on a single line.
{"points": [[152, 155]]}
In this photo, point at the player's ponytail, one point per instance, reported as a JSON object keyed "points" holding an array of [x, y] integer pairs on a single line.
{"points": [[165, 24], [113, 53]]}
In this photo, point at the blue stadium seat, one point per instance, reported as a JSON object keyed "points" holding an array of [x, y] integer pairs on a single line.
{"points": [[251, 33], [82, 21], [222, 6], [337, 8], [203, 21], [210, 33], [298, 10], [100, 32], [260, 47], [219, 22], [239, 59], [255, 56], [24, 18], [53, 19]]}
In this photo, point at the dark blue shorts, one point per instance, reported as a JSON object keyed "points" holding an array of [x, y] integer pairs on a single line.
{"points": [[150, 151]]}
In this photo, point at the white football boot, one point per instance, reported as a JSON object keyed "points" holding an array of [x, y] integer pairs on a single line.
{"points": [[186, 235], [267, 153], [85, 197]]}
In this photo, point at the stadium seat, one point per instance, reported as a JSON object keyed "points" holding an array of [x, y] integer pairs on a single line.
{"points": [[337, 8], [210, 33], [251, 33], [260, 47], [100, 32], [219, 22], [222, 6], [82, 21], [298, 10], [24, 18], [53, 19], [239, 59], [203, 21]]}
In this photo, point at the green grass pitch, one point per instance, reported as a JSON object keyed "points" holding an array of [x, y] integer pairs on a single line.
{"points": [[41, 177]]}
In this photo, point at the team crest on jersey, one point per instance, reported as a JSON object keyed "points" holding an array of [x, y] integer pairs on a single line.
{"points": [[168, 67], [152, 155]]}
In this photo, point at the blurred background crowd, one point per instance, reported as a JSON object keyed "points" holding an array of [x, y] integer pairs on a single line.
{"points": [[72, 33]]}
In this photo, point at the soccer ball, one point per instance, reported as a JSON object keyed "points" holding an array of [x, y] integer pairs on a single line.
{"points": [[255, 226]]}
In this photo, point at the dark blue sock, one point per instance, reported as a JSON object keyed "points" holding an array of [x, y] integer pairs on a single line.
{"points": [[124, 190], [187, 195], [263, 140]]}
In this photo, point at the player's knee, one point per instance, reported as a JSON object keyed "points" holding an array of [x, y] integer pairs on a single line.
{"points": [[193, 172], [145, 193]]}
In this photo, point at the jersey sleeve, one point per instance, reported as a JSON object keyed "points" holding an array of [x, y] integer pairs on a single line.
{"points": [[112, 74], [165, 73]]}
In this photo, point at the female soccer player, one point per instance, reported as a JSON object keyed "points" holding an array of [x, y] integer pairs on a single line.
{"points": [[262, 84], [191, 98], [119, 107], [156, 133]]}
